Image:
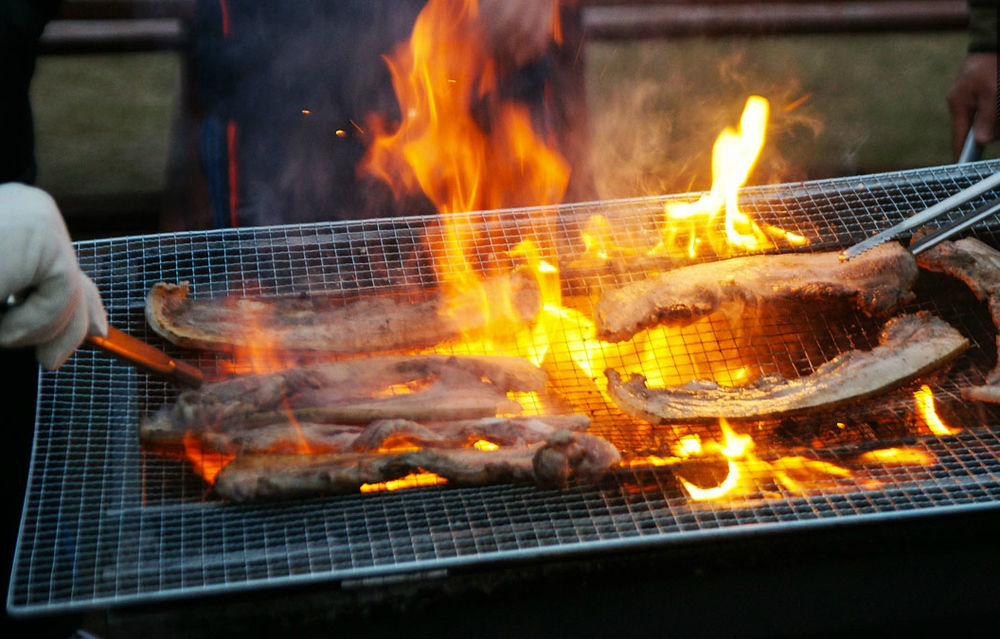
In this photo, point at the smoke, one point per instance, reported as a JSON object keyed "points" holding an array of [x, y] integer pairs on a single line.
{"points": [[654, 118], [299, 80]]}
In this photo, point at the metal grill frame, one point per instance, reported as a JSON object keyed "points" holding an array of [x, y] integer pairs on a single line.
{"points": [[97, 532]]}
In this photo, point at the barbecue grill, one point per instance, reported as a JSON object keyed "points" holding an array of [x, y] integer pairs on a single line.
{"points": [[107, 523]]}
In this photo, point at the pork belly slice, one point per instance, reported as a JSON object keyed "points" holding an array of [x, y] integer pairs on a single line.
{"points": [[443, 387], [549, 464], [977, 265], [282, 438], [292, 437], [909, 346], [504, 431], [324, 323], [876, 282]]}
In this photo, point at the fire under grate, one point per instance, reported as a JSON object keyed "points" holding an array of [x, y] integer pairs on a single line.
{"points": [[108, 523]]}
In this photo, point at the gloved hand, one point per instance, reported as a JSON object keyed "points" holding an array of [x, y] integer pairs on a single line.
{"points": [[519, 31], [37, 258]]}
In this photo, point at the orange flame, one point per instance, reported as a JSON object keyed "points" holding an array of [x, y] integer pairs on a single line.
{"points": [[205, 463], [899, 456], [443, 77], [690, 224], [924, 397], [745, 469]]}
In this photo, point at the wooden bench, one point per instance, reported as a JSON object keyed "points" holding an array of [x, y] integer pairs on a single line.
{"points": [[92, 26], [617, 19]]}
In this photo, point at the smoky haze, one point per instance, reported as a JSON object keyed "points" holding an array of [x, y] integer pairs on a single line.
{"points": [[300, 79]]}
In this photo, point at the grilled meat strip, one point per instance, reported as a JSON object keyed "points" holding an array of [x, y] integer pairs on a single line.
{"points": [[324, 323], [549, 463], [876, 282], [909, 346], [289, 437], [355, 391], [504, 431], [978, 266], [283, 438]]}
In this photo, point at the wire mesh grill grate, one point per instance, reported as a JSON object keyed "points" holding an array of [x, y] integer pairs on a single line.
{"points": [[107, 523]]}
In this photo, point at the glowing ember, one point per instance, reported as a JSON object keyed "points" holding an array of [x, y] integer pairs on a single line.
{"points": [[899, 456], [206, 463], [413, 480], [482, 444], [649, 460], [924, 397]]}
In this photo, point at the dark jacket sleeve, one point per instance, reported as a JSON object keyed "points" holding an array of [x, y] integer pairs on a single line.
{"points": [[983, 26], [21, 26]]}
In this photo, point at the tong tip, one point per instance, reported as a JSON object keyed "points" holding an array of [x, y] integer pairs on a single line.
{"points": [[852, 252]]}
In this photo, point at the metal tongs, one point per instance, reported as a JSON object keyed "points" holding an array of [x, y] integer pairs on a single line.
{"points": [[944, 206], [133, 351], [147, 357]]}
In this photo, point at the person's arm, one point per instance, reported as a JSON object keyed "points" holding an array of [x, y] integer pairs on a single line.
{"points": [[972, 98], [60, 304]]}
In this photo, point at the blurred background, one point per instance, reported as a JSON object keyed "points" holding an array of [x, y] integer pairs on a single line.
{"points": [[115, 136]]}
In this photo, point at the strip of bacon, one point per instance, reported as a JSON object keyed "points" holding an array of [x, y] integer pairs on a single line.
{"points": [[352, 391], [549, 464], [978, 265], [876, 282], [324, 323], [909, 346]]}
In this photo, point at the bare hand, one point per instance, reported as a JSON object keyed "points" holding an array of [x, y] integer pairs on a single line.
{"points": [[519, 31], [972, 101]]}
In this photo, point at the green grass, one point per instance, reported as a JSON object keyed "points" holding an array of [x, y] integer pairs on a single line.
{"points": [[865, 103], [868, 103], [103, 122]]}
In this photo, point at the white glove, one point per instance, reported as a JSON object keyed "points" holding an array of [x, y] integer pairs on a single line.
{"points": [[37, 259]]}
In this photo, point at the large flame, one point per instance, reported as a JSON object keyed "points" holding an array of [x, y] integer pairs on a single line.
{"points": [[461, 143], [469, 149], [444, 78]]}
